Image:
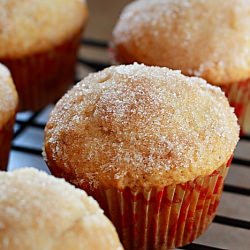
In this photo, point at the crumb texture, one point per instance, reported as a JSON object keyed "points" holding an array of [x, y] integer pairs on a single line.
{"points": [[31, 26], [195, 36], [8, 96], [139, 125], [40, 212]]}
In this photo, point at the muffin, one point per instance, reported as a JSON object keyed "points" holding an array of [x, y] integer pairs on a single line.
{"points": [[8, 107], [38, 43], [195, 37], [151, 145], [41, 212]]}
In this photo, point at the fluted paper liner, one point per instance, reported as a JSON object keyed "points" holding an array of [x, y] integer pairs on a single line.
{"points": [[44, 77], [6, 132], [163, 218], [238, 95]]}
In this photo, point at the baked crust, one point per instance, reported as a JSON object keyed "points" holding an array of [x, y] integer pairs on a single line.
{"points": [[196, 36], [8, 96], [32, 26], [139, 126], [40, 212]]}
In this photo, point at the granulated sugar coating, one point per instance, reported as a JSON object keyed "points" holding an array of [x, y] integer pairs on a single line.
{"points": [[41, 212], [138, 125], [204, 38], [34, 26]]}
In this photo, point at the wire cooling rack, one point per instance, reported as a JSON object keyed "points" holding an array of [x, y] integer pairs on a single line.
{"points": [[231, 226]]}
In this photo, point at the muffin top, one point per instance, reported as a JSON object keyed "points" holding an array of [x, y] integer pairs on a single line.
{"points": [[203, 38], [40, 212], [137, 125], [31, 26], [8, 96]]}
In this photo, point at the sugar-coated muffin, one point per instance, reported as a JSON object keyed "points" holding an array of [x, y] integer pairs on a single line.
{"points": [[8, 107], [193, 36], [145, 141], [39, 42], [41, 212]]}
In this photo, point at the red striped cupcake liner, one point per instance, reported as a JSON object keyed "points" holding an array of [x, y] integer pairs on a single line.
{"points": [[163, 218], [44, 77], [238, 95], [6, 132]]}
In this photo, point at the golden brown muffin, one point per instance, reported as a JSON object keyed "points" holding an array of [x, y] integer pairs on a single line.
{"points": [[197, 37], [151, 145], [193, 36], [8, 107], [136, 125], [40, 212], [38, 42]]}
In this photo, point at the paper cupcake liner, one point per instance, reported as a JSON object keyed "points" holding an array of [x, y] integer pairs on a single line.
{"points": [[163, 218], [44, 77], [238, 95], [6, 132]]}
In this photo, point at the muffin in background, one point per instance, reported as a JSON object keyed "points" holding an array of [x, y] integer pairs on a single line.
{"points": [[195, 37], [151, 145], [8, 107], [38, 43], [41, 212]]}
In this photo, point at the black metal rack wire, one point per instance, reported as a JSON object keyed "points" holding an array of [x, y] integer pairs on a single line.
{"points": [[31, 122]]}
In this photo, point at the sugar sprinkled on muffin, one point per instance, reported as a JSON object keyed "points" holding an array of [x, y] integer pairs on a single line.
{"points": [[41, 212], [194, 36], [137, 124]]}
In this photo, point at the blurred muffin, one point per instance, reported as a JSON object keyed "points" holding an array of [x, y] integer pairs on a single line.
{"points": [[195, 37], [8, 107], [151, 145], [39, 42], [40, 212]]}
